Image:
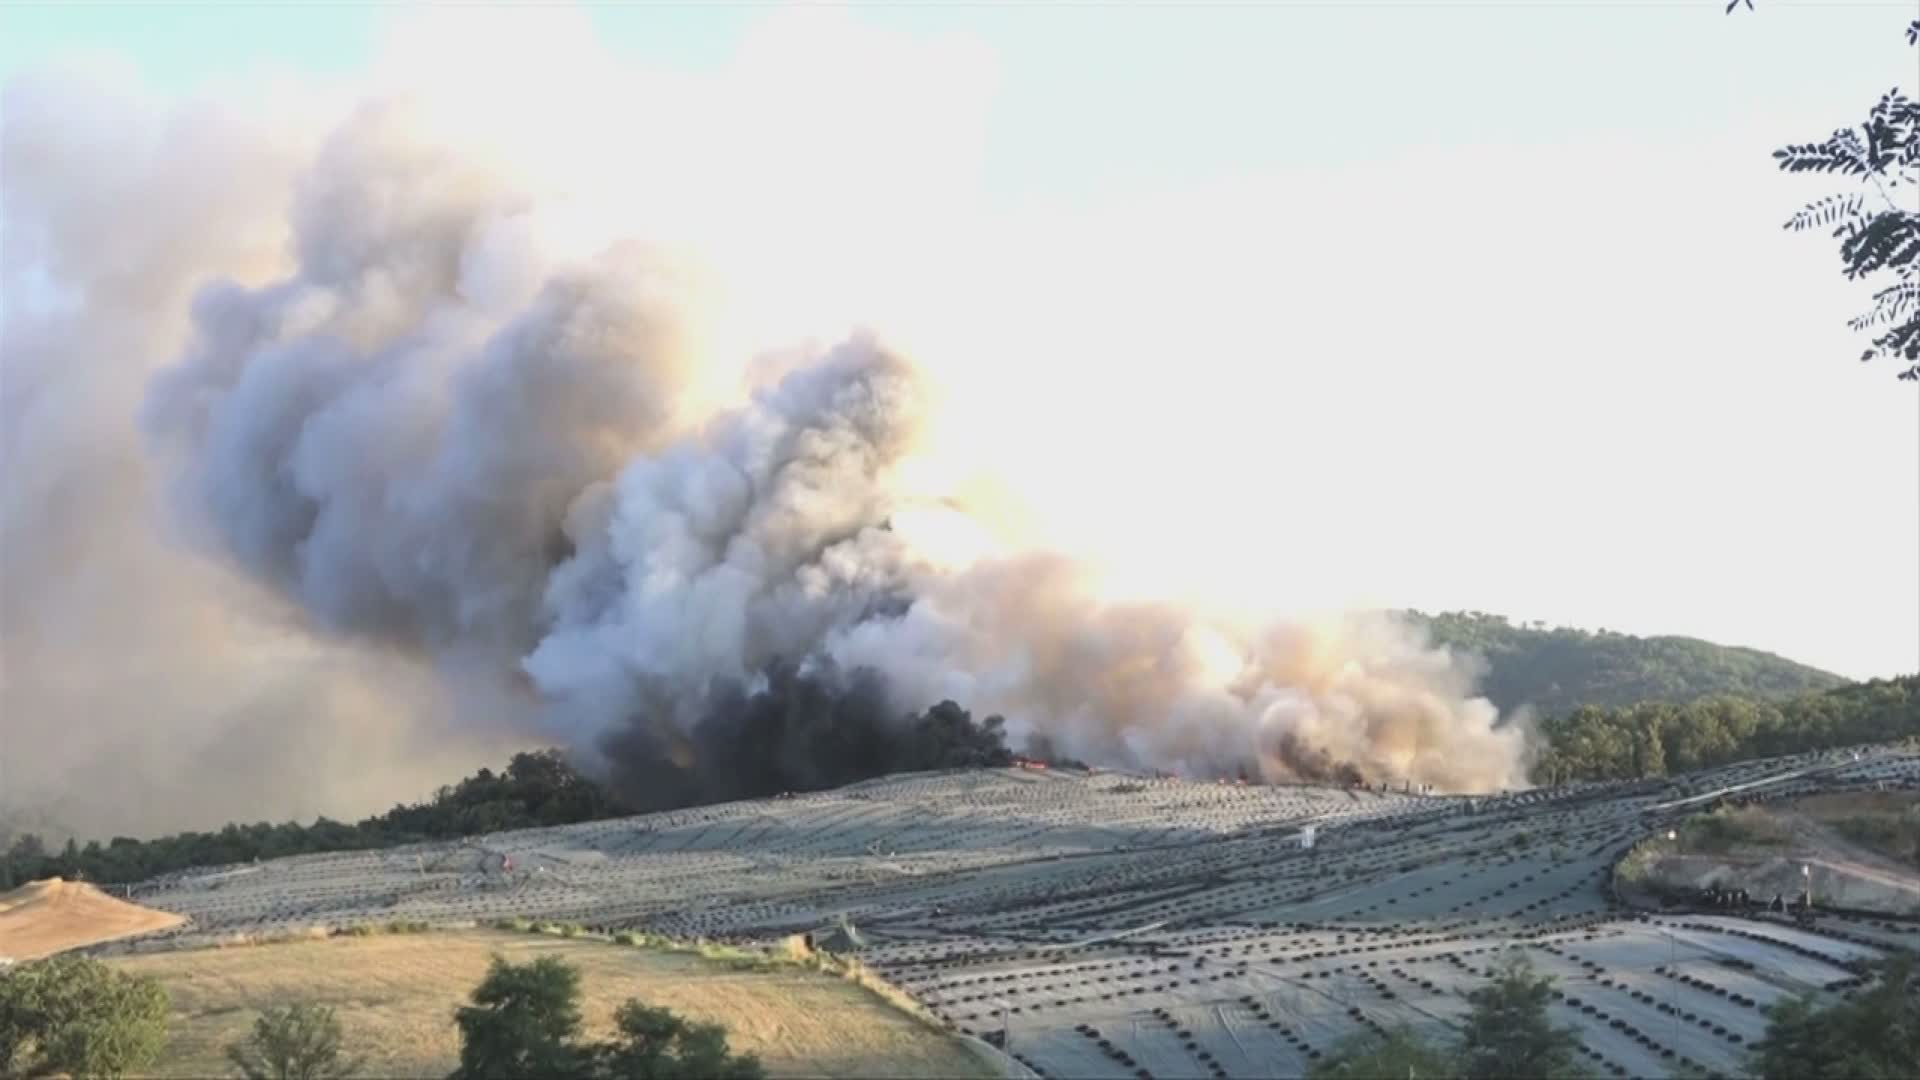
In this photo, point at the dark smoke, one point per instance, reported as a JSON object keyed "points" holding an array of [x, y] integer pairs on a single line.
{"points": [[1314, 762], [805, 727]]}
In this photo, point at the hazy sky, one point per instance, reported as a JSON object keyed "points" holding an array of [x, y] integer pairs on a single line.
{"points": [[1448, 305]]}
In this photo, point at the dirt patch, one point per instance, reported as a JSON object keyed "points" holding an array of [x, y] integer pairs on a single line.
{"points": [[53, 916], [1854, 850], [395, 996]]}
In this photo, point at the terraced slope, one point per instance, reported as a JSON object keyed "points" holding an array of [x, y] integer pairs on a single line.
{"points": [[1115, 925]]}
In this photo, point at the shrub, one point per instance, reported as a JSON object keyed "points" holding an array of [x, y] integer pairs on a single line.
{"points": [[295, 1042], [654, 1044], [1875, 1035], [525, 1021], [75, 1015], [1366, 1056]]}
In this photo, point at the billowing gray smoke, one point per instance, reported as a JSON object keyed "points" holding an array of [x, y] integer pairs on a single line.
{"points": [[142, 689], [447, 442]]}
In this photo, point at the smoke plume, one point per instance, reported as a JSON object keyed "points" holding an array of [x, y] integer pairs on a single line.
{"points": [[515, 474], [142, 689]]}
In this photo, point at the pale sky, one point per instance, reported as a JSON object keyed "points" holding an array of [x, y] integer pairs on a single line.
{"points": [[1442, 305]]}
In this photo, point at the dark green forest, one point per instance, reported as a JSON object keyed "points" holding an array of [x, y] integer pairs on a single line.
{"points": [[535, 789], [1659, 738], [1559, 669]]}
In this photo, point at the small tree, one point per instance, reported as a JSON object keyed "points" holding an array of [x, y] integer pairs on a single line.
{"points": [[525, 1020], [1399, 1055], [1508, 1034], [522, 1023], [296, 1042], [654, 1044], [1874, 1037], [75, 1015]]}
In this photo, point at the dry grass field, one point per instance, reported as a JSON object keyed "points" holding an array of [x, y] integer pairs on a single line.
{"points": [[50, 916], [395, 996], [1884, 822]]}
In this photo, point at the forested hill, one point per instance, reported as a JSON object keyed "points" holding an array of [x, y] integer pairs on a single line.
{"points": [[1560, 669]]}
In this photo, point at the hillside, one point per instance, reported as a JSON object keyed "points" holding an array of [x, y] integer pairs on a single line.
{"points": [[1559, 669], [1100, 924]]}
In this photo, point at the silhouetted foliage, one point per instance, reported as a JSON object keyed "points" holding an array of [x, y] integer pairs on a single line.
{"points": [[75, 1015], [1656, 738], [1878, 226], [293, 1042], [1558, 669], [1875, 1036]]}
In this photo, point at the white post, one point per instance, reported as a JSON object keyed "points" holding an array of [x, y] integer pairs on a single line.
{"points": [[1673, 976]]}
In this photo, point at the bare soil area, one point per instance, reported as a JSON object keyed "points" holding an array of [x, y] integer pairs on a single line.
{"points": [[1854, 850]]}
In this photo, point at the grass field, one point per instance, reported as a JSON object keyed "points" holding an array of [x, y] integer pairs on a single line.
{"points": [[395, 996]]}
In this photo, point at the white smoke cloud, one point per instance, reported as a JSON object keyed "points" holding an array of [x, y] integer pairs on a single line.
{"points": [[493, 407]]}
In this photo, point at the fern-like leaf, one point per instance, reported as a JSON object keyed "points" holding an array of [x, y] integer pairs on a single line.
{"points": [[1902, 341], [1890, 305], [1824, 212], [1889, 239], [1817, 157]]}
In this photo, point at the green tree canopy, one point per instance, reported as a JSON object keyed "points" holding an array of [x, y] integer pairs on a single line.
{"points": [[1655, 738], [654, 1044], [75, 1015], [525, 1023], [1875, 1036], [1558, 669], [522, 1023], [1509, 1036], [294, 1042]]}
